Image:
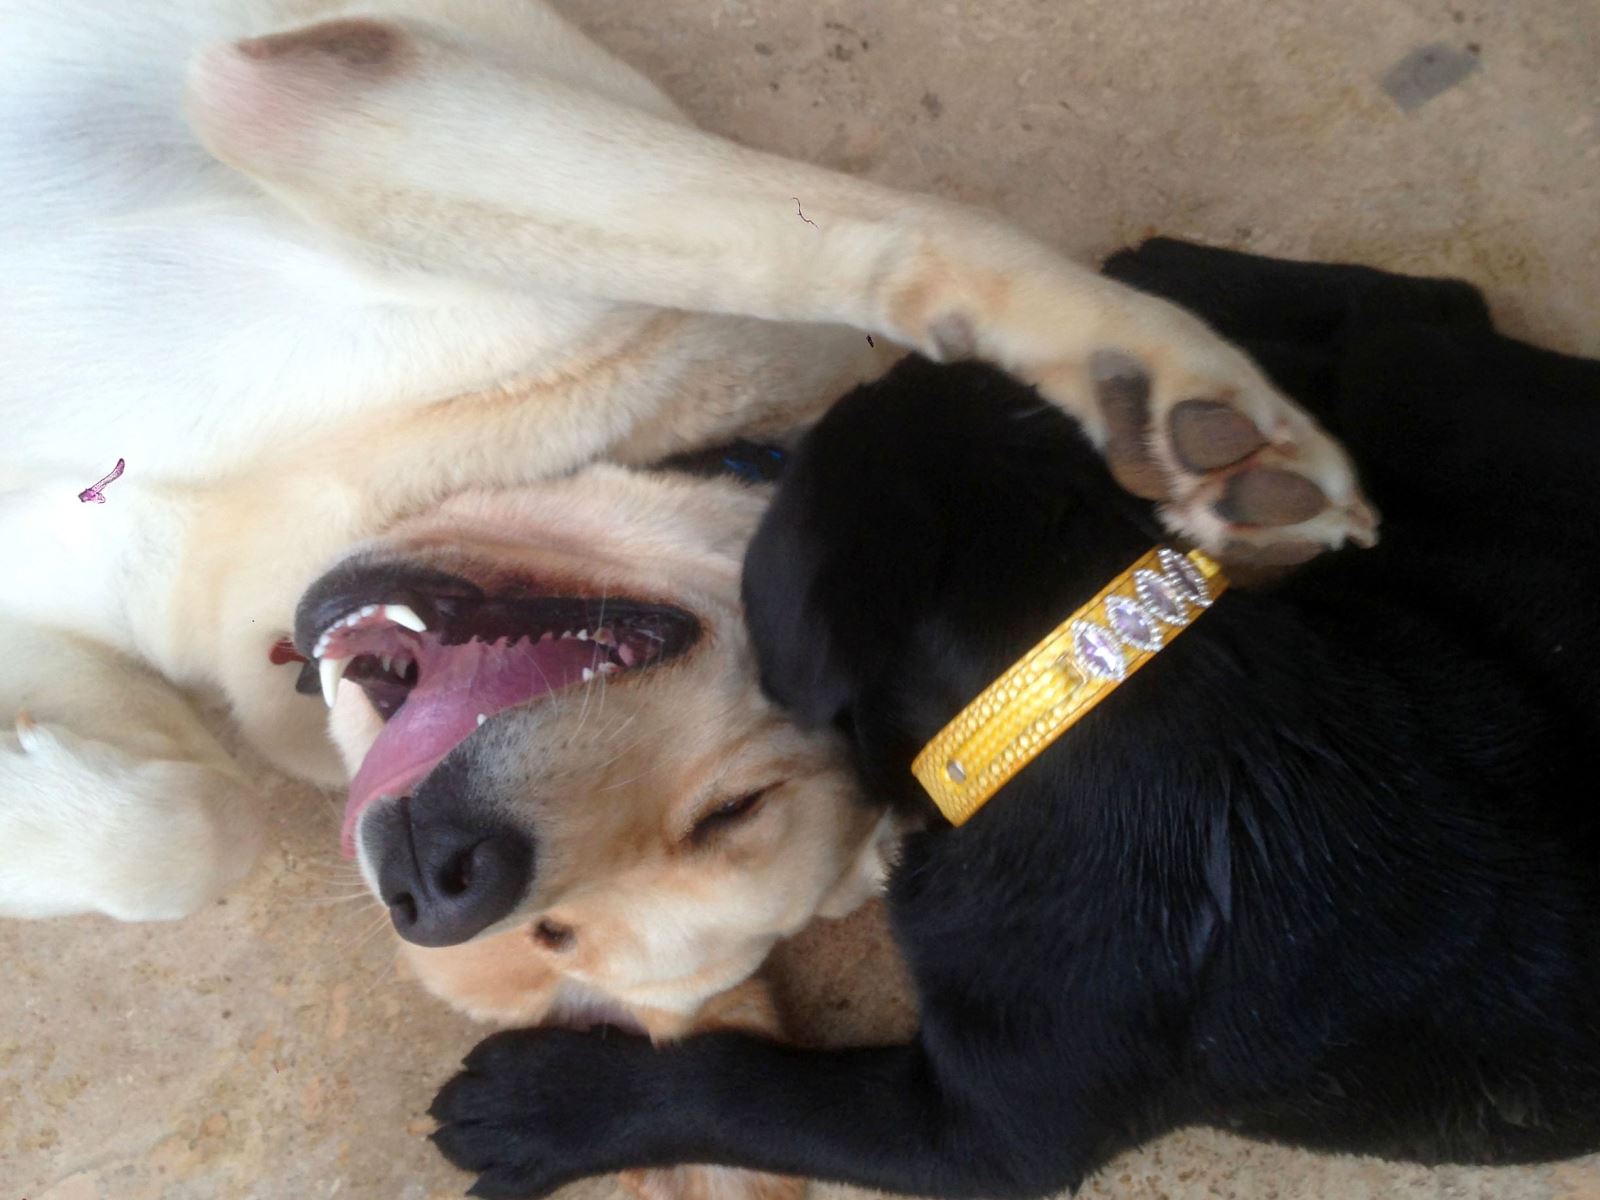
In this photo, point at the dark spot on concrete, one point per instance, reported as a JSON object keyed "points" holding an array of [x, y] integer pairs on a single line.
{"points": [[841, 53], [1474, 48], [1425, 73], [932, 105], [763, 48]]}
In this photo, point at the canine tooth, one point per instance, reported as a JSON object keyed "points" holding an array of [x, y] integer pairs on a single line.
{"points": [[388, 663], [583, 635], [331, 670], [405, 617], [587, 674], [28, 735], [482, 718]]}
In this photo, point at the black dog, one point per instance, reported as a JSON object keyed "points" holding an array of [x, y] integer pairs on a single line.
{"points": [[1327, 870]]}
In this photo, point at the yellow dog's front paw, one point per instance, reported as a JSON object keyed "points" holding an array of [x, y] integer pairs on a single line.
{"points": [[1239, 469]]}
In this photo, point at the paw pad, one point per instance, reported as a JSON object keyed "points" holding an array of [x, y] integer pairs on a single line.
{"points": [[1210, 434], [1270, 496], [1122, 388]]}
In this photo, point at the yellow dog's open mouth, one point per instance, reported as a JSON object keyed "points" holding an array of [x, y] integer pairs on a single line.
{"points": [[437, 655]]}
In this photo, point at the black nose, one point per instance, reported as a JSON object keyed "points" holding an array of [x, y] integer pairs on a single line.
{"points": [[445, 878]]}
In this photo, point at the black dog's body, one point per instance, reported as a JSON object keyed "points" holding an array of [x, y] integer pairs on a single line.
{"points": [[1326, 870]]}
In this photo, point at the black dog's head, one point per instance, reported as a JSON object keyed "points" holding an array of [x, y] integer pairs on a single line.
{"points": [[932, 527]]}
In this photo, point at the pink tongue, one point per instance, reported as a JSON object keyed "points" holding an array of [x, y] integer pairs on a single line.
{"points": [[455, 684]]}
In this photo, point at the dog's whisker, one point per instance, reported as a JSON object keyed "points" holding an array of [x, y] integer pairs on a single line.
{"points": [[619, 755], [333, 901], [382, 981], [647, 772], [364, 934], [367, 938]]}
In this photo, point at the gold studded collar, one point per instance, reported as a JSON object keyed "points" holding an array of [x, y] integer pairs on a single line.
{"points": [[1056, 684]]}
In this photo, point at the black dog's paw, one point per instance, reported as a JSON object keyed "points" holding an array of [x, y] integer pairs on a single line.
{"points": [[535, 1109]]}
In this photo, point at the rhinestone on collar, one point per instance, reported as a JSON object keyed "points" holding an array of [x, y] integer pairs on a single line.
{"points": [[1054, 685]]}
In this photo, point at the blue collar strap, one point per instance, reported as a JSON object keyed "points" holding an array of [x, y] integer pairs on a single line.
{"points": [[748, 462]]}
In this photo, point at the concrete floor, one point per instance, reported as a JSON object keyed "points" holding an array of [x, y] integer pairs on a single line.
{"points": [[268, 1049]]}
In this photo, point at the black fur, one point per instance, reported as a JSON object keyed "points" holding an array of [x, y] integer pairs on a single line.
{"points": [[1327, 870]]}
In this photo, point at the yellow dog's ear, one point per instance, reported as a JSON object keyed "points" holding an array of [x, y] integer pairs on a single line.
{"points": [[868, 873], [258, 101], [358, 44]]}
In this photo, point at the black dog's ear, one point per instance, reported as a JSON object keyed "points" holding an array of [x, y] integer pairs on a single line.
{"points": [[799, 666], [848, 550]]}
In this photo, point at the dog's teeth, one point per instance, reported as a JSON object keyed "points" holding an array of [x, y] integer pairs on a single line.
{"points": [[405, 617], [482, 718], [549, 635], [28, 731], [608, 668], [587, 674], [605, 637], [583, 635], [566, 635], [331, 670], [368, 610], [388, 663]]}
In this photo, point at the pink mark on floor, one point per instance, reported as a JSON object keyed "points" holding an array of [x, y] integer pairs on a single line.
{"points": [[92, 493]]}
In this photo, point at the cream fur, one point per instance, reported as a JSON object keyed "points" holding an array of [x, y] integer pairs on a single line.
{"points": [[313, 285]]}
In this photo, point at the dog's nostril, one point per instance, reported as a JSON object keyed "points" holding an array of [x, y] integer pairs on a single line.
{"points": [[456, 877], [553, 935], [403, 910], [445, 881]]}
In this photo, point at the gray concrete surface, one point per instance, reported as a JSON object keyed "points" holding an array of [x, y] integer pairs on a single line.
{"points": [[268, 1049]]}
